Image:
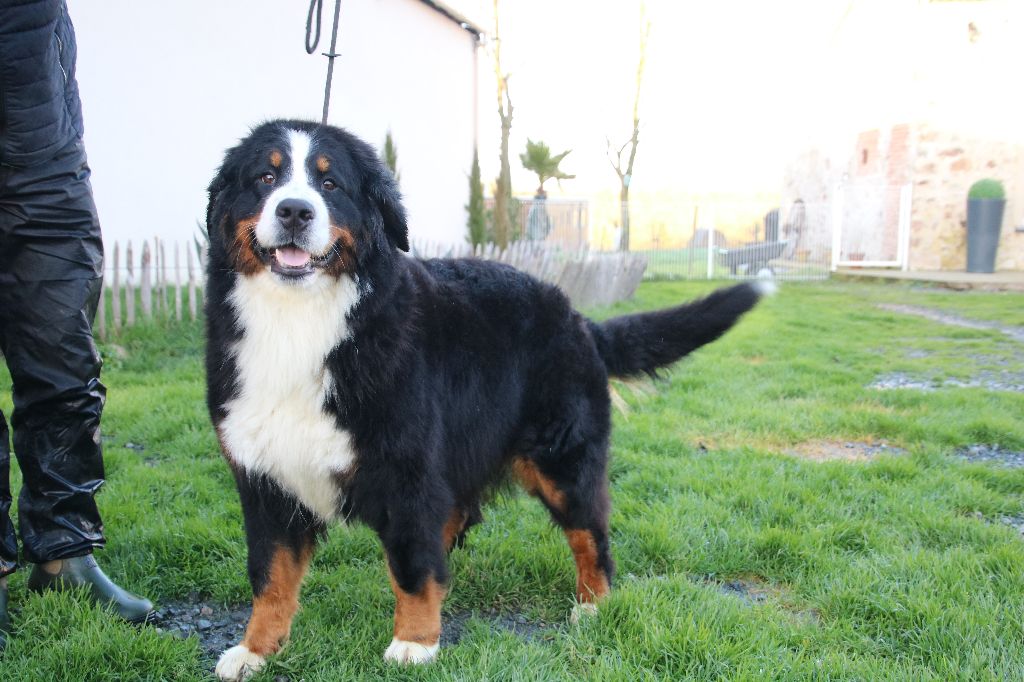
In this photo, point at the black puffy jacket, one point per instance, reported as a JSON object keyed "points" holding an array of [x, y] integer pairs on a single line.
{"points": [[40, 112]]}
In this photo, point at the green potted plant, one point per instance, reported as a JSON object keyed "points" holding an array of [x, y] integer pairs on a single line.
{"points": [[986, 201]]}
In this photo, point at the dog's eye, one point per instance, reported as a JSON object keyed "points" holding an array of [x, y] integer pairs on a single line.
{"points": [[268, 178], [329, 185]]}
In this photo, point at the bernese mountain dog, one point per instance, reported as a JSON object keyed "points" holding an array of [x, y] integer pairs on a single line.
{"points": [[347, 380]]}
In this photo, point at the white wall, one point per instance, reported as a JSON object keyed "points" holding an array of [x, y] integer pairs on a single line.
{"points": [[168, 86]]}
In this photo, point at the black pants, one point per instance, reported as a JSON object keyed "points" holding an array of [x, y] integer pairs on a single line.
{"points": [[51, 260]]}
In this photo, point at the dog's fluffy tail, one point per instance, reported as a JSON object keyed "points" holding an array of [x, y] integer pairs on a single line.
{"points": [[636, 344]]}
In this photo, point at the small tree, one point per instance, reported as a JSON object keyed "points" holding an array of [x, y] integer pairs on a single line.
{"points": [[622, 162], [389, 155], [537, 158], [476, 221], [503, 221]]}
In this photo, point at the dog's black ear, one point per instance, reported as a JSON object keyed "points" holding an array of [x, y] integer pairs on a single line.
{"points": [[384, 194], [215, 206], [213, 192]]}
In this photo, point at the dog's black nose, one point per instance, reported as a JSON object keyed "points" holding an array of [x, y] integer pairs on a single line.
{"points": [[295, 214]]}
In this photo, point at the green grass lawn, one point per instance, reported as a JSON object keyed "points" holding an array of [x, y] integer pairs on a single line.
{"points": [[893, 568]]}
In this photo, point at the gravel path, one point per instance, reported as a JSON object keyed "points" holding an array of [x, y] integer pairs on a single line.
{"points": [[1015, 333]]}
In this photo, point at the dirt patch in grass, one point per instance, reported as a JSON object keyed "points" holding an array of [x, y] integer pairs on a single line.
{"points": [[217, 627], [753, 590], [843, 451], [1015, 333], [981, 452], [454, 624]]}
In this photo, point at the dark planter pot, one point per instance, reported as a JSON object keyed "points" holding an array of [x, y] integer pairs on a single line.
{"points": [[984, 223]]}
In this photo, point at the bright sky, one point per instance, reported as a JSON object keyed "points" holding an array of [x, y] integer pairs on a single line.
{"points": [[733, 88]]}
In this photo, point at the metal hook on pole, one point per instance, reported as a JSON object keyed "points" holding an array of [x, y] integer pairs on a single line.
{"points": [[317, 6]]}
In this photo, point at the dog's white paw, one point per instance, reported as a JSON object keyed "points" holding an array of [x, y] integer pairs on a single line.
{"points": [[238, 663], [582, 610], [401, 651]]}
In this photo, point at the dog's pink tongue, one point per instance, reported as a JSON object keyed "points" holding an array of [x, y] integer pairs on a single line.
{"points": [[292, 257]]}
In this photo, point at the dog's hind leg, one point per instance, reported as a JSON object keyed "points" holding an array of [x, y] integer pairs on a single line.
{"points": [[461, 520], [281, 539], [580, 506]]}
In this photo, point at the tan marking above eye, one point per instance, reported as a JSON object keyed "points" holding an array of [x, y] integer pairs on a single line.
{"points": [[276, 158], [322, 164]]}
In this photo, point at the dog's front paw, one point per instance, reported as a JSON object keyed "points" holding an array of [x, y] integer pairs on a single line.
{"points": [[410, 652], [238, 663]]}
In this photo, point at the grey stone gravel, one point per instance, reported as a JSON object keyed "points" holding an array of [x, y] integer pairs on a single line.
{"points": [[992, 453], [217, 627], [987, 379], [1015, 522]]}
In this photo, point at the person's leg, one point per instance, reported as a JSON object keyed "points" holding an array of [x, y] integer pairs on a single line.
{"points": [[58, 399], [50, 269], [50, 281]]}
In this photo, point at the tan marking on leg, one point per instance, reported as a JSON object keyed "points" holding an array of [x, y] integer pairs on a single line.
{"points": [[537, 484], [274, 608], [323, 164], [455, 524], [591, 581], [418, 616], [243, 249], [276, 158]]}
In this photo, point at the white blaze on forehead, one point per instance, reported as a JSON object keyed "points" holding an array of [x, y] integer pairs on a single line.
{"points": [[296, 183]]}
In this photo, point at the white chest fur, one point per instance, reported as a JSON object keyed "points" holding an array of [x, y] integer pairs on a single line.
{"points": [[277, 424]]}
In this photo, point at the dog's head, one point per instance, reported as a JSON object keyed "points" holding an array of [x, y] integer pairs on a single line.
{"points": [[303, 201]]}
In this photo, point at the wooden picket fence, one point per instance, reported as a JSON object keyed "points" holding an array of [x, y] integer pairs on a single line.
{"points": [[157, 287], [158, 291], [589, 278]]}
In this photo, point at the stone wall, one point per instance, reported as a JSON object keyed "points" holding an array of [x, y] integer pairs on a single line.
{"points": [[946, 164]]}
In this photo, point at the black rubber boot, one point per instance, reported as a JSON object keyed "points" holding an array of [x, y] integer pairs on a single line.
{"points": [[83, 571]]}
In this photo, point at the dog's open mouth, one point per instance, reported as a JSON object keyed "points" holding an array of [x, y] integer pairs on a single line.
{"points": [[294, 262]]}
